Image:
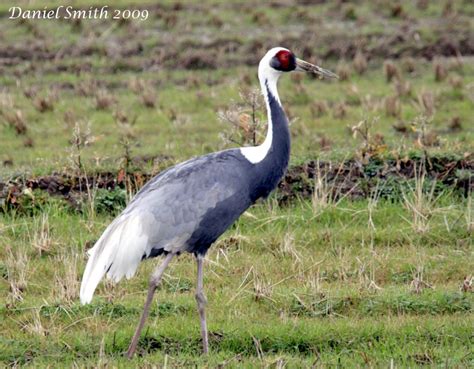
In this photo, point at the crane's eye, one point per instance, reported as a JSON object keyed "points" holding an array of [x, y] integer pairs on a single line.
{"points": [[283, 61]]}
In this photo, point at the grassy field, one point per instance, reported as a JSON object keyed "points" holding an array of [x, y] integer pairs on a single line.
{"points": [[370, 266]]}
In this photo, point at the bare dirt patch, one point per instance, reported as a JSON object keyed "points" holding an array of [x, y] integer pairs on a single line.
{"points": [[350, 179]]}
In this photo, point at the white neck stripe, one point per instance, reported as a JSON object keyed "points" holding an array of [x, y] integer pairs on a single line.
{"points": [[268, 83]]}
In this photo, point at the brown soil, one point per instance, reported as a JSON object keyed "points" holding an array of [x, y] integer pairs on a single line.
{"points": [[354, 180], [350, 179]]}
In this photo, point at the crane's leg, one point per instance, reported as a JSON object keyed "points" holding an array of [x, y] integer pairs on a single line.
{"points": [[154, 281], [201, 303]]}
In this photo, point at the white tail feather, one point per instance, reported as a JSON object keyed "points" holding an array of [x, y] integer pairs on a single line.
{"points": [[117, 252]]}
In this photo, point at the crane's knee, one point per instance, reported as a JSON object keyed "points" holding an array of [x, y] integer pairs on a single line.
{"points": [[201, 298], [153, 283]]}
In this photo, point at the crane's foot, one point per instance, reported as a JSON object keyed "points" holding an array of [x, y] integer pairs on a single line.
{"points": [[130, 351]]}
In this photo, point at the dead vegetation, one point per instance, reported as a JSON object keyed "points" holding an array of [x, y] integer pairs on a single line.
{"points": [[104, 100], [148, 97], [360, 62], [339, 110], [343, 71], [81, 137], [319, 108], [421, 205], [426, 103], [16, 271], [42, 241], [391, 71], [245, 118], [440, 72], [393, 107], [44, 103], [403, 88], [15, 119]]}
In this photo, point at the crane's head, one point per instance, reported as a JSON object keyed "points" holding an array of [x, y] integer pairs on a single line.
{"points": [[279, 60]]}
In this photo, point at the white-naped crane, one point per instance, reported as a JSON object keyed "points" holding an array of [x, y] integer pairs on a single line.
{"points": [[188, 206]]}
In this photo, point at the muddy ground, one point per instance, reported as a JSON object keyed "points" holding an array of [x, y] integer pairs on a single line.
{"points": [[349, 179]]}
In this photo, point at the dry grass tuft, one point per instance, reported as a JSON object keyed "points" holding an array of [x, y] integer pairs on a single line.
{"points": [[28, 142], [6, 101], [440, 71], [87, 88], [325, 143], [66, 283], [30, 92], [148, 97], [16, 120], [403, 88], [326, 193], [43, 103], [136, 85], [69, 118], [429, 139], [360, 62], [467, 283], [261, 287], [426, 101], [34, 325], [343, 70], [104, 99], [455, 125], [17, 267], [319, 108], [397, 11], [393, 106], [456, 81], [418, 284], [124, 123], [288, 247], [419, 202], [391, 71], [42, 241], [409, 64], [339, 110]]}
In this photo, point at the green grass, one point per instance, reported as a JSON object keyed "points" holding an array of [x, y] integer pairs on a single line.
{"points": [[283, 282], [322, 282]]}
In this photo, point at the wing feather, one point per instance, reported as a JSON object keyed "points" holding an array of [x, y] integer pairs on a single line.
{"points": [[117, 252], [162, 216]]}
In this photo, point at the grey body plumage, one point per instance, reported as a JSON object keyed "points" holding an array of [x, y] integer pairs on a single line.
{"points": [[199, 199]]}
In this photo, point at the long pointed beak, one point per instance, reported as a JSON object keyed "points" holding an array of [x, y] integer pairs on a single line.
{"points": [[304, 66]]}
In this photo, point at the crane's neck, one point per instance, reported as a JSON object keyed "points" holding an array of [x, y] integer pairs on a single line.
{"points": [[270, 159], [268, 84]]}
